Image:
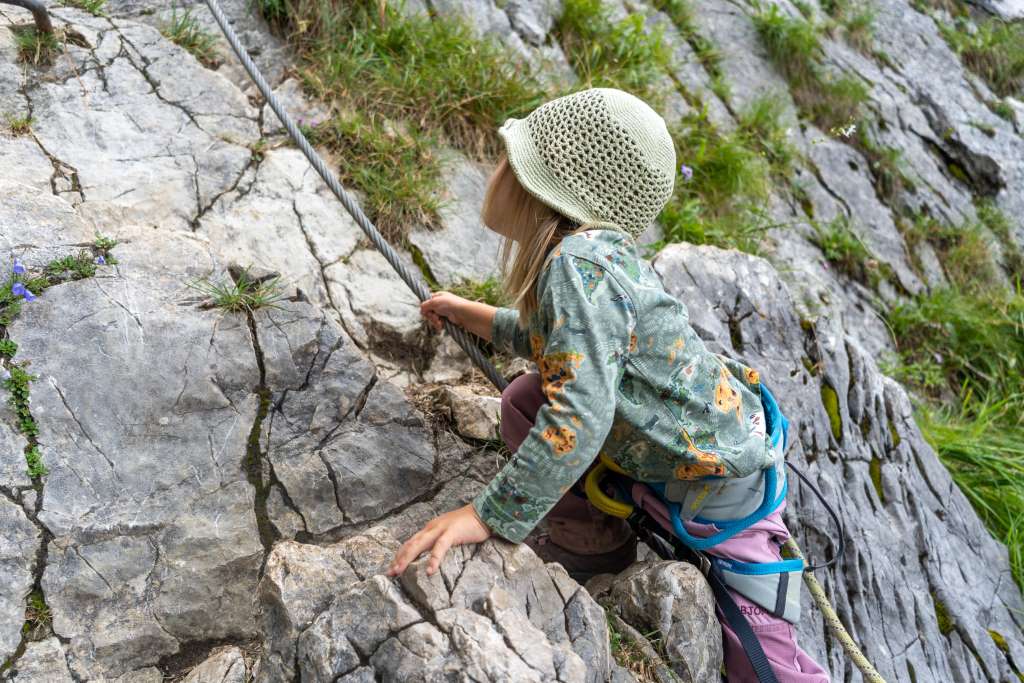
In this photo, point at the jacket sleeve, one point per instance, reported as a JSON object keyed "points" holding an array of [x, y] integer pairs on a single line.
{"points": [[507, 335], [589, 322]]}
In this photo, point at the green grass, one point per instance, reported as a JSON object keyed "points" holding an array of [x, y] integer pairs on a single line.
{"points": [[841, 247], [488, 291], [761, 122], [93, 7], [1000, 225], [982, 444], [19, 125], [183, 29], [995, 52], [1002, 109], [964, 251], [794, 46], [682, 15], [620, 54], [857, 20], [245, 294], [8, 347], [34, 47], [37, 614], [720, 204], [399, 87], [397, 169]]}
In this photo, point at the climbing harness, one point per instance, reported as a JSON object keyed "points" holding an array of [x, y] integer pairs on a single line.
{"points": [[656, 518]]}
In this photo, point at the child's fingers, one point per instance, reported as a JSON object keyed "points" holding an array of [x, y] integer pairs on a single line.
{"points": [[412, 548], [440, 548]]}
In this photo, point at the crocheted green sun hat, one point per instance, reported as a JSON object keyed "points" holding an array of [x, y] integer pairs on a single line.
{"points": [[597, 155]]}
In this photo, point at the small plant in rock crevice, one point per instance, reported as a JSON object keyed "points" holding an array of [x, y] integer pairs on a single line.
{"points": [[35, 47], [183, 29], [245, 294], [19, 125]]}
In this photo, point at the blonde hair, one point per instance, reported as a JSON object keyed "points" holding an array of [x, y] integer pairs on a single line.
{"points": [[533, 226]]}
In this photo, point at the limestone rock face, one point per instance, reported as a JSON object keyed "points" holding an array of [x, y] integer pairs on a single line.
{"points": [[493, 612], [914, 546], [226, 487], [675, 600]]}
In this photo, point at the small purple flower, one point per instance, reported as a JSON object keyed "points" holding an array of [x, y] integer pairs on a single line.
{"points": [[100, 261], [19, 268], [19, 289], [686, 171]]}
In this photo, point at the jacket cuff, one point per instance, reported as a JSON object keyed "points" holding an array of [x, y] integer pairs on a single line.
{"points": [[503, 328], [498, 520]]}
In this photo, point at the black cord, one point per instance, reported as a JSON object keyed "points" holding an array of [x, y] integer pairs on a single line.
{"points": [[832, 514]]}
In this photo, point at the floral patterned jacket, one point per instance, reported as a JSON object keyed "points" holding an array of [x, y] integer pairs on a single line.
{"points": [[624, 373]]}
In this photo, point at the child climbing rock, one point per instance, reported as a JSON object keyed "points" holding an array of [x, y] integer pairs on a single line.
{"points": [[621, 373]]}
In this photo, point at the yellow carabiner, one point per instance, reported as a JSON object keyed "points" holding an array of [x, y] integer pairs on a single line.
{"points": [[597, 497], [611, 464]]}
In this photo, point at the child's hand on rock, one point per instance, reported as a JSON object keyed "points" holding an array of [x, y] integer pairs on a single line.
{"points": [[452, 528], [443, 305]]}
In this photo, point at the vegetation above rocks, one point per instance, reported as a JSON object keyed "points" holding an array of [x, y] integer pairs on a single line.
{"points": [[183, 29], [993, 49], [93, 7], [401, 86]]}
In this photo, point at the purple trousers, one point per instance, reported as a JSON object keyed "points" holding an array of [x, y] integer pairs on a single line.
{"points": [[578, 526]]}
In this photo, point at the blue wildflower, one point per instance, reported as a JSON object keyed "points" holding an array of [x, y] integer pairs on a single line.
{"points": [[686, 171], [19, 268], [19, 289], [100, 260]]}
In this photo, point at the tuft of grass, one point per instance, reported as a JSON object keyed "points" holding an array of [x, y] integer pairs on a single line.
{"points": [[489, 291], [19, 125], [964, 251], [1002, 109], [995, 51], [620, 54], [8, 347], [982, 444], [857, 20], [244, 294], [34, 47], [183, 29], [886, 165], [93, 7], [1000, 225], [720, 203], [397, 169], [629, 654], [37, 614], [682, 15], [842, 247], [760, 121]]}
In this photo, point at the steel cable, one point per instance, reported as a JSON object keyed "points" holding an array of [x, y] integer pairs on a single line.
{"points": [[414, 282]]}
